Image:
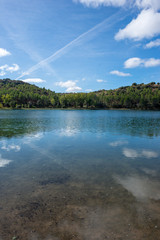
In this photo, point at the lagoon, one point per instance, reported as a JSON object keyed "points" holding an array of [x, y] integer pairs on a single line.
{"points": [[79, 174]]}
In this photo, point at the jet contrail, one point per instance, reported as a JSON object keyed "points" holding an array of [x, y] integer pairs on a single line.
{"points": [[110, 21]]}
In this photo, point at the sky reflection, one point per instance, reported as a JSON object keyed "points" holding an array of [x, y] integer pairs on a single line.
{"points": [[118, 143], [78, 172], [68, 131], [4, 162], [132, 153], [32, 137], [130, 123], [143, 188], [10, 147]]}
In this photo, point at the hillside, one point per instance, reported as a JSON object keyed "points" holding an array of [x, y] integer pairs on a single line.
{"points": [[17, 94]]}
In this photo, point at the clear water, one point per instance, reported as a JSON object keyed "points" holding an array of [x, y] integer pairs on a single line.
{"points": [[79, 175]]}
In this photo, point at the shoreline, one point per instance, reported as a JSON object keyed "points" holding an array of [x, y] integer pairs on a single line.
{"points": [[123, 109]]}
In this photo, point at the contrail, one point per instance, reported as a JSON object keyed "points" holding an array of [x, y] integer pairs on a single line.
{"points": [[109, 21]]}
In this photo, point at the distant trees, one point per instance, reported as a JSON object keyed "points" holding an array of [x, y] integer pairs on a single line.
{"points": [[17, 94]]}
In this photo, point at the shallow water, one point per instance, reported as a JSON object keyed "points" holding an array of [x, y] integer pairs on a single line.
{"points": [[79, 175]]}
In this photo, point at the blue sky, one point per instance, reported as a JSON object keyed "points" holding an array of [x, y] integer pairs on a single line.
{"points": [[80, 45]]}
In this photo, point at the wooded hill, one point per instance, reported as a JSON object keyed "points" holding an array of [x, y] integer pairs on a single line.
{"points": [[17, 94]]}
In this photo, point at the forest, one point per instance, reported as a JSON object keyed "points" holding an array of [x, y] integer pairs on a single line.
{"points": [[20, 95]]}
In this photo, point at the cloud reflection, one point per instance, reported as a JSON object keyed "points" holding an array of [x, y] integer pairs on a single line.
{"points": [[132, 153], [10, 147], [149, 154], [68, 132], [151, 172], [142, 188], [32, 137], [118, 143], [4, 162]]}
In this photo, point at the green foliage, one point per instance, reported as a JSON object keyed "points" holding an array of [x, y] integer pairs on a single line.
{"points": [[17, 94]]}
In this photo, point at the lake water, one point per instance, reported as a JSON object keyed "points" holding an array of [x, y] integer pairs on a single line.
{"points": [[79, 175]]}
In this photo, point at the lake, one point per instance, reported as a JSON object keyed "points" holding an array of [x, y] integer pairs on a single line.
{"points": [[79, 175]]}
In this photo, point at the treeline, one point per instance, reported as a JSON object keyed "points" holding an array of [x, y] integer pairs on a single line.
{"points": [[17, 94]]}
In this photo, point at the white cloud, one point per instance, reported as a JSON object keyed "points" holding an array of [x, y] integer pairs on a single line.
{"points": [[89, 90], [100, 80], [97, 3], [13, 68], [155, 4], [138, 62], [146, 25], [73, 89], [121, 74], [5, 69], [131, 153], [33, 80], [4, 162], [133, 62], [118, 143], [4, 52], [152, 44], [2, 73], [152, 62], [69, 85], [143, 4], [66, 84]]}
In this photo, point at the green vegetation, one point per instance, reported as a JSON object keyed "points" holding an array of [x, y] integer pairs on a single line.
{"points": [[17, 94]]}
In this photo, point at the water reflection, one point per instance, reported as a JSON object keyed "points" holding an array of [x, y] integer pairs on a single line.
{"points": [[118, 143], [150, 172], [143, 188], [135, 123], [28, 138], [69, 131], [79, 175], [132, 153], [10, 147], [4, 162]]}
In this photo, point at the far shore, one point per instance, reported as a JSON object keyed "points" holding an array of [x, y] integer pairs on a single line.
{"points": [[123, 109]]}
